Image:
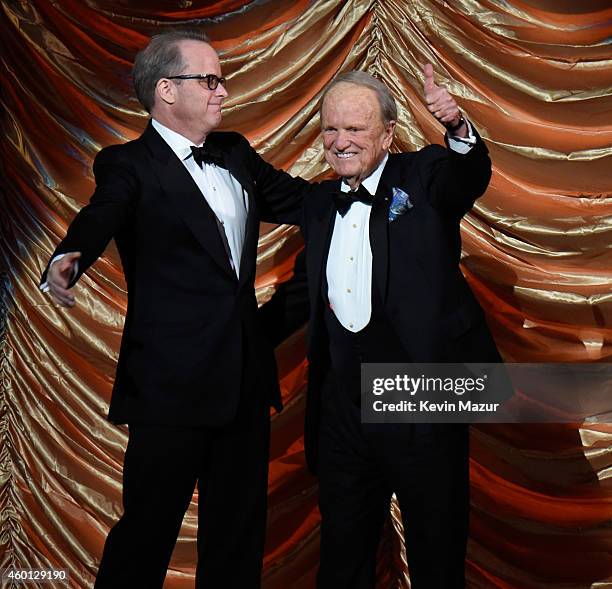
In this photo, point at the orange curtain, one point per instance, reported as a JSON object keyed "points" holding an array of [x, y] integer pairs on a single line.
{"points": [[535, 77]]}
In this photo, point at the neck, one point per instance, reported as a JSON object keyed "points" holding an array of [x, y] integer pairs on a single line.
{"points": [[353, 182], [187, 131]]}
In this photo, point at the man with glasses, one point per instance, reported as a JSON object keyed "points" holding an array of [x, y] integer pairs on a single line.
{"points": [[195, 377]]}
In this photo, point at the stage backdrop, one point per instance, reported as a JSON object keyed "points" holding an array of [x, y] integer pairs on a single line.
{"points": [[534, 76]]}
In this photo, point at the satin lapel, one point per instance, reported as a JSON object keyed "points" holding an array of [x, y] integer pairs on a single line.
{"points": [[235, 163], [189, 202], [319, 240], [251, 236], [379, 224]]}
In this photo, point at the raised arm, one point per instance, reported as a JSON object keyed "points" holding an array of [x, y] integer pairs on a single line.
{"points": [[94, 226]]}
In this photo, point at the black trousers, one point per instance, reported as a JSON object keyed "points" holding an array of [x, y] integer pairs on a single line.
{"points": [[162, 465], [360, 466]]}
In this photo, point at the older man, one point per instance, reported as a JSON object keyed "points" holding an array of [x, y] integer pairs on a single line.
{"points": [[382, 259], [195, 377]]}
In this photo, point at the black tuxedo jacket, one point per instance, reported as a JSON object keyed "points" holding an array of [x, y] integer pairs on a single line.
{"points": [[415, 264], [189, 318]]}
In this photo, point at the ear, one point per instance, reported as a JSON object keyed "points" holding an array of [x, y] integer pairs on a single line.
{"points": [[389, 130], [166, 91]]}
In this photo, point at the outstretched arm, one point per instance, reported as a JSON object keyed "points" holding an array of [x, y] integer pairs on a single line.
{"points": [[94, 226]]}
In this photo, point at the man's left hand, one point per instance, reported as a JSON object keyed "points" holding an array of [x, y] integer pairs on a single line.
{"points": [[441, 104]]}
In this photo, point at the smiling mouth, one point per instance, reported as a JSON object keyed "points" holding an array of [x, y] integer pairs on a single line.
{"points": [[345, 156]]}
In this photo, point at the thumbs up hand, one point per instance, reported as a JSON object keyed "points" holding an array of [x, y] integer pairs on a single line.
{"points": [[440, 103]]}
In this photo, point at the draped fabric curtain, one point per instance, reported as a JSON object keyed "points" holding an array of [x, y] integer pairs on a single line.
{"points": [[534, 76]]}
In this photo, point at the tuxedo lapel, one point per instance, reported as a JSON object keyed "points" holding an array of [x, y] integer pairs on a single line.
{"points": [[188, 201], [379, 224], [251, 236], [235, 164], [398, 173]]}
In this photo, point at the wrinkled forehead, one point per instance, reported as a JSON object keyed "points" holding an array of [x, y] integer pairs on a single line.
{"points": [[350, 99]]}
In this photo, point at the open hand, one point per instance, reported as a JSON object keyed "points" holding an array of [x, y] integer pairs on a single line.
{"points": [[59, 276]]}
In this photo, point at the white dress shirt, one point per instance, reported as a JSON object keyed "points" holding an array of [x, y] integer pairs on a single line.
{"points": [[349, 263], [222, 191]]}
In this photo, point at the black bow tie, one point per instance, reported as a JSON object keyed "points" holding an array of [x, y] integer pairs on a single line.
{"points": [[207, 155], [344, 200]]}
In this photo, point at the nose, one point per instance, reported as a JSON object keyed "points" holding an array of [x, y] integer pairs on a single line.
{"points": [[342, 141], [221, 91]]}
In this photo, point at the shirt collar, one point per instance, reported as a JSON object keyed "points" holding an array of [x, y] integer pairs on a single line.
{"points": [[371, 182], [178, 143]]}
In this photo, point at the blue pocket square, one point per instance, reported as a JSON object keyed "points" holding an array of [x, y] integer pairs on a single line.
{"points": [[399, 205]]}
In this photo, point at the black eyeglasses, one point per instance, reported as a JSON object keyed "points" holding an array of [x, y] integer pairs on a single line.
{"points": [[212, 81]]}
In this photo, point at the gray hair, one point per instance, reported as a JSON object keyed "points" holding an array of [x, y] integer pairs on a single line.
{"points": [[159, 59], [388, 108]]}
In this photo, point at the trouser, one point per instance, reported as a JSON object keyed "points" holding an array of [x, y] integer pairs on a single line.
{"points": [[361, 466], [161, 468]]}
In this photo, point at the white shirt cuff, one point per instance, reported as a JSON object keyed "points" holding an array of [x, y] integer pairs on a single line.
{"points": [[462, 144]]}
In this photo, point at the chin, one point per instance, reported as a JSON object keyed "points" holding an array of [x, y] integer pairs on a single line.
{"points": [[346, 171], [215, 121], [343, 168]]}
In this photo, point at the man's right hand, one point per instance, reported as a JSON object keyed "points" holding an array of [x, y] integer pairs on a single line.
{"points": [[59, 276]]}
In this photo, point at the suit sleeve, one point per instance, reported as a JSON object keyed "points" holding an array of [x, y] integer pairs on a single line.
{"points": [[454, 180], [109, 209], [280, 195]]}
